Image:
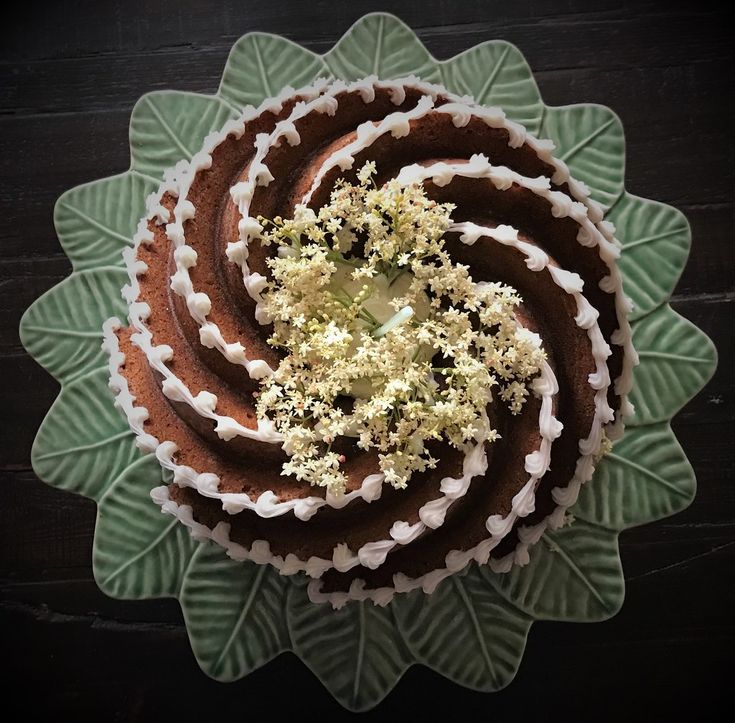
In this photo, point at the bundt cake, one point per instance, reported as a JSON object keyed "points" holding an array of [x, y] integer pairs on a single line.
{"points": [[376, 332]]}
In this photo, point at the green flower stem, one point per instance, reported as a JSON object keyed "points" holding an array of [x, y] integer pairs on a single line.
{"points": [[339, 259], [363, 313]]}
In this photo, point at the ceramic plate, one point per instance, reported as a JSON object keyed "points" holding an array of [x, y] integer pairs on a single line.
{"points": [[240, 615]]}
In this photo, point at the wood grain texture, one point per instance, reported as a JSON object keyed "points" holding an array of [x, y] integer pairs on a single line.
{"points": [[68, 79]]}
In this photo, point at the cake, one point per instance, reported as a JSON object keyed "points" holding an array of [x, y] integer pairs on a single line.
{"points": [[201, 374]]}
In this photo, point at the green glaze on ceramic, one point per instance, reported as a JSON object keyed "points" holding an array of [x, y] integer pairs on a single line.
{"points": [[478, 645], [589, 139], [240, 615], [381, 45], [234, 612], [167, 126], [676, 360], [260, 65], [653, 235], [62, 330], [138, 552], [84, 443], [357, 652], [574, 574], [646, 477], [496, 73], [96, 221]]}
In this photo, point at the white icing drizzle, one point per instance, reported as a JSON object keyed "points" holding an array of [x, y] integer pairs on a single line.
{"points": [[586, 318], [397, 124], [589, 235], [206, 484], [204, 403], [267, 504], [431, 514], [370, 555], [536, 463], [461, 109], [593, 231], [185, 257], [260, 175], [373, 554]]}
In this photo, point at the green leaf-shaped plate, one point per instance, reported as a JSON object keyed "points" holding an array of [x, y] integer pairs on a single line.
{"points": [[239, 616]]}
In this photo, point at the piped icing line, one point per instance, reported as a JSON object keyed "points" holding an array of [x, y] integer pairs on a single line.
{"points": [[370, 555], [267, 505], [259, 175], [586, 318], [204, 403], [431, 514], [562, 206], [609, 284], [397, 124], [523, 504], [373, 554], [207, 484], [565, 497], [198, 303], [462, 109], [536, 260]]}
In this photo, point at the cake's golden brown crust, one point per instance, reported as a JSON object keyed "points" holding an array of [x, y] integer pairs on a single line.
{"points": [[358, 523], [253, 467]]}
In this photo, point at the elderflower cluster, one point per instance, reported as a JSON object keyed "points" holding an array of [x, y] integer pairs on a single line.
{"points": [[386, 340]]}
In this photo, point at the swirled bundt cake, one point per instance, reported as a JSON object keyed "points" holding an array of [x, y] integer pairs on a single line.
{"points": [[376, 333]]}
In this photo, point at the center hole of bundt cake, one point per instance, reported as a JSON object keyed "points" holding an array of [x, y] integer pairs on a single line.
{"points": [[379, 314]]}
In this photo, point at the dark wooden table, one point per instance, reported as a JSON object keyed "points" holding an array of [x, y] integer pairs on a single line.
{"points": [[69, 76]]}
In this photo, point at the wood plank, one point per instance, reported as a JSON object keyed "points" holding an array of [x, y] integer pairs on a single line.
{"points": [[566, 56], [144, 670], [69, 76], [170, 24]]}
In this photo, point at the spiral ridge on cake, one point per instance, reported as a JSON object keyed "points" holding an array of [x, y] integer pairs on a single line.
{"points": [[188, 367]]}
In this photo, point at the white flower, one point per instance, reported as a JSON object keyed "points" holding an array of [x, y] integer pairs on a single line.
{"points": [[321, 299]]}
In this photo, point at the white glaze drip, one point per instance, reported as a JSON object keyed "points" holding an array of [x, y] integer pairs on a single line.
{"points": [[258, 173], [458, 108], [562, 206], [586, 318], [536, 464], [372, 553], [197, 303], [268, 504], [397, 124]]}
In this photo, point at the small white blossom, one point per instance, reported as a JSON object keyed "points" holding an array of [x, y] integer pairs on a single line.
{"points": [[429, 377]]}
